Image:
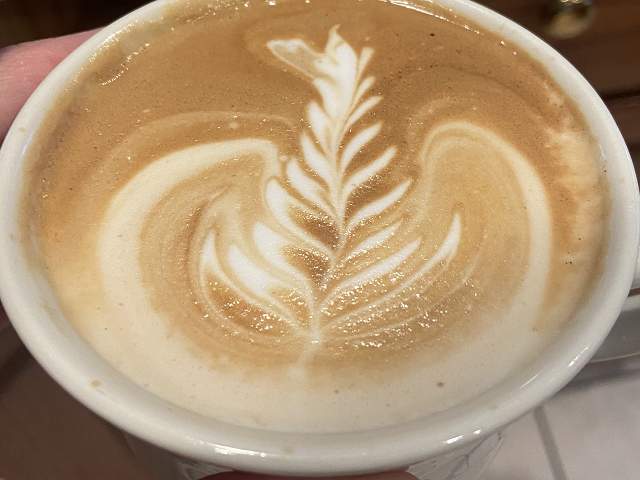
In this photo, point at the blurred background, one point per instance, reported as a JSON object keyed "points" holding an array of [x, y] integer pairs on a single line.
{"points": [[46, 434]]}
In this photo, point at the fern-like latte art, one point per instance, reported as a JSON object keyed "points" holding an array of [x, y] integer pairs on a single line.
{"points": [[325, 249], [315, 216]]}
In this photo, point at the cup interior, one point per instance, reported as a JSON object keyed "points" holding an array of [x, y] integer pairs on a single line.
{"points": [[34, 311]]}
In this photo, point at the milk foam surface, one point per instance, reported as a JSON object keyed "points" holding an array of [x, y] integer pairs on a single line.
{"points": [[335, 247]]}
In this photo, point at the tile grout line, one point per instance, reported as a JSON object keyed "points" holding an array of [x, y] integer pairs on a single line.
{"points": [[549, 444]]}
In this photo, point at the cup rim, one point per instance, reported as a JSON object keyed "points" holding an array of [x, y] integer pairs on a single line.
{"points": [[73, 364]]}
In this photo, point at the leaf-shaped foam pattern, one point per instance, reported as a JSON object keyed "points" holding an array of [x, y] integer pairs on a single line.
{"points": [[379, 205], [365, 57], [330, 97], [328, 148], [383, 266], [362, 109], [271, 247], [357, 143], [316, 161], [296, 53], [374, 241], [309, 198], [280, 203], [363, 88], [262, 290], [306, 187], [369, 171], [443, 255], [320, 125]]}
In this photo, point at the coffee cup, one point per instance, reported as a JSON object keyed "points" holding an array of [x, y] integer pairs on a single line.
{"points": [[435, 445]]}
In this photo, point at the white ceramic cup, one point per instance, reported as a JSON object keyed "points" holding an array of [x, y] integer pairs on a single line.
{"points": [[437, 443]]}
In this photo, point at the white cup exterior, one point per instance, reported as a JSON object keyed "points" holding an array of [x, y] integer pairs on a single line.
{"points": [[36, 316]]}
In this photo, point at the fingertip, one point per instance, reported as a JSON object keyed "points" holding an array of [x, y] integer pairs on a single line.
{"points": [[24, 66]]}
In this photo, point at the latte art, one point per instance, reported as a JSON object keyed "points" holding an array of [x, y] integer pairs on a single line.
{"points": [[313, 264], [308, 219]]}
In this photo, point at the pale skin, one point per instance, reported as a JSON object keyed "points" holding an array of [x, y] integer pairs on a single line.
{"points": [[22, 68]]}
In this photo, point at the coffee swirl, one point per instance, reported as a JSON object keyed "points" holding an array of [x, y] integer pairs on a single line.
{"points": [[322, 252], [328, 222]]}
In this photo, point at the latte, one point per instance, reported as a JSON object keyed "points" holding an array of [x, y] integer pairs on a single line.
{"points": [[315, 216]]}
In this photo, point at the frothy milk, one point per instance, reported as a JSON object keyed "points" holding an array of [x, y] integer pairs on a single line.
{"points": [[316, 216]]}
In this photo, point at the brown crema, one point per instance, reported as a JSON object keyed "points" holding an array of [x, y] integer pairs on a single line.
{"points": [[324, 219]]}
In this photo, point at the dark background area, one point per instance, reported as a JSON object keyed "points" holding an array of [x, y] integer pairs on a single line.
{"points": [[22, 20]]}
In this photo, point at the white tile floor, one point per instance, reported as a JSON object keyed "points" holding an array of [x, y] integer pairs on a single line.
{"points": [[589, 431]]}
